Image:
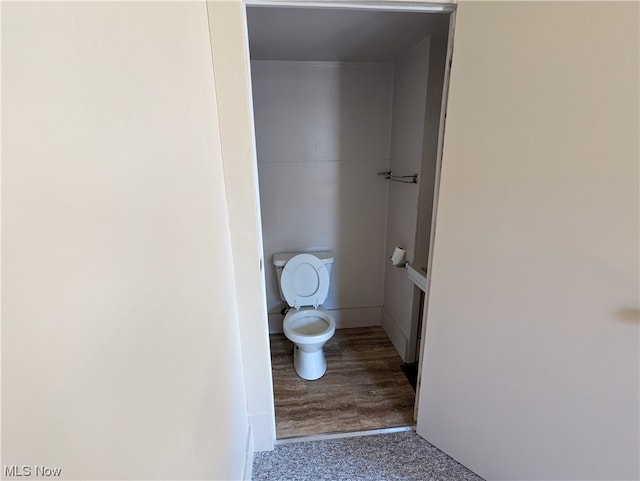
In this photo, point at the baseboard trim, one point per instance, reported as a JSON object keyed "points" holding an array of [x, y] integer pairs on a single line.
{"points": [[345, 318], [397, 337], [247, 472]]}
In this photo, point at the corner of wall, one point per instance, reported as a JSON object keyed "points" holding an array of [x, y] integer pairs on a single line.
{"points": [[262, 427], [397, 337]]}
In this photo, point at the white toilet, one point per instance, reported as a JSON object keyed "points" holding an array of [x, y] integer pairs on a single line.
{"points": [[304, 284]]}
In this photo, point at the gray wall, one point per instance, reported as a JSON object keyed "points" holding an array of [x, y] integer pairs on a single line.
{"points": [[408, 120], [322, 134], [433, 128]]}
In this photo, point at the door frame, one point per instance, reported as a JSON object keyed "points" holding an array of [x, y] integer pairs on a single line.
{"points": [[231, 66], [380, 5], [434, 211]]}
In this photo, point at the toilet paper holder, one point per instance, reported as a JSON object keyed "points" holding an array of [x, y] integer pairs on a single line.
{"points": [[402, 265], [397, 259]]}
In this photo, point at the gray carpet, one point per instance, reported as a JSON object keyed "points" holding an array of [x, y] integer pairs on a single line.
{"points": [[383, 457]]}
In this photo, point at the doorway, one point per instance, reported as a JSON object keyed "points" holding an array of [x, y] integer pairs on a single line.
{"points": [[340, 95]]}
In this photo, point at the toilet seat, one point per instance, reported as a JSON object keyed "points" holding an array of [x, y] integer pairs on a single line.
{"points": [[305, 281], [309, 325]]}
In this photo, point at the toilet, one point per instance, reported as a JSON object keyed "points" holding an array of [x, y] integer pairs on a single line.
{"points": [[303, 279]]}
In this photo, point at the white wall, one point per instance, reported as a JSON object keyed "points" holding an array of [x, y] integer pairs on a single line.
{"points": [[120, 343], [407, 135], [322, 133], [531, 368]]}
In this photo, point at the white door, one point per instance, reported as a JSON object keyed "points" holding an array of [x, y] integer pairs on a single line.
{"points": [[531, 357]]}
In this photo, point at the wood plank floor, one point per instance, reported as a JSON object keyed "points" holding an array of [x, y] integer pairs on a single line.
{"points": [[363, 388]]}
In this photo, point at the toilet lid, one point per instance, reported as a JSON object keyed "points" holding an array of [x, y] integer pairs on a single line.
{"points": [[305, 281]]}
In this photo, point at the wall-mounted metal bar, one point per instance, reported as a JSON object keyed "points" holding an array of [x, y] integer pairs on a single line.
{"points": [[405, 179]]}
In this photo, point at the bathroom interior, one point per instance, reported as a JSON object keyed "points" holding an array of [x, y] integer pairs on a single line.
{"points": [[349, 114]]}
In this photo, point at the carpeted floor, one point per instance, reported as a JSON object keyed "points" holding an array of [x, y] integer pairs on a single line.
{"points": [[383, 457]]}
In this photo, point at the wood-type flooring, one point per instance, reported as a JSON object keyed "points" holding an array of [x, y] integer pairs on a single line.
{"points": [[363, 388]]}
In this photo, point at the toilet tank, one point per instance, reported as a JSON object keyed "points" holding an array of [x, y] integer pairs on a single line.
{"points": [[280, 260]]}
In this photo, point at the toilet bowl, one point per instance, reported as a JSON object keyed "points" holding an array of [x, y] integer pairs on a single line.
{"points": [[304, 283], [309, 329]]}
